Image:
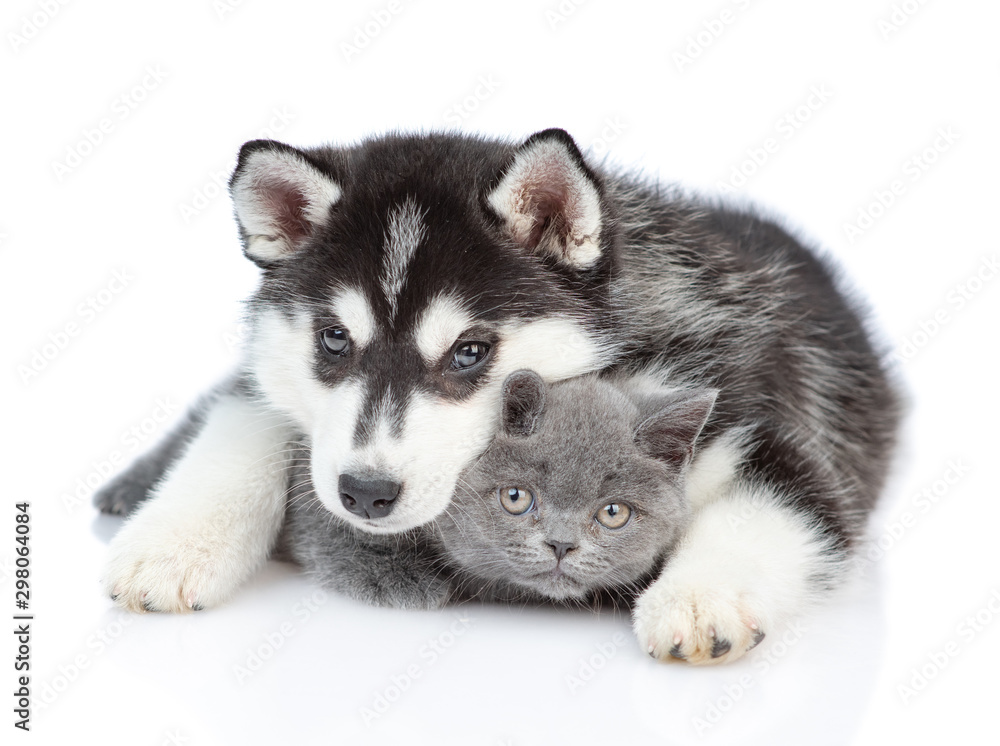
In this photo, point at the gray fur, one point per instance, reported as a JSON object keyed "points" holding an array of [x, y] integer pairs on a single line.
{"points": [[397, 570], [589, 444]]}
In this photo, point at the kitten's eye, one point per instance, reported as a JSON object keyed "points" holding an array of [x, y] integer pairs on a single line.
{"points": [[335, 341], [469, 354], [515, 500], [614, 515]]}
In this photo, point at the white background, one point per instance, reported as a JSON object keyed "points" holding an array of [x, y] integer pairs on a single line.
{"points": [[145, 201]]}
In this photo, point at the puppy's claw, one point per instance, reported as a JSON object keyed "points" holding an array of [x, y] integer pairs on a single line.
{"points": [[720, 647]]}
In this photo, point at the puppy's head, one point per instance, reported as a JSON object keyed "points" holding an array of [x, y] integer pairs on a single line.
{"points": [[403, 280]]}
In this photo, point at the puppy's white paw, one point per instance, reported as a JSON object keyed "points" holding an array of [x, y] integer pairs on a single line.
{"points": [[696, 623], [746, 565], [211, 524], [164, 570]]}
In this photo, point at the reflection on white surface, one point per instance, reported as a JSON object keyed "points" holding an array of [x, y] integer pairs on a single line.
{"points": [[287, 662]]}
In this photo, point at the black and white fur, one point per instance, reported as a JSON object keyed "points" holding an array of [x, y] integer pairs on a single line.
{"points": [[417, 245]]}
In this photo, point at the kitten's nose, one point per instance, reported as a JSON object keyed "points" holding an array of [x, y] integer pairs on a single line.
{"points": [[560, 548], [368, 498]]}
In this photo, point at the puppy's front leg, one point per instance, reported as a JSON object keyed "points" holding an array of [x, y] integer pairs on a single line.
{"points": [[750, 563], [214, 518], [135, 484]]}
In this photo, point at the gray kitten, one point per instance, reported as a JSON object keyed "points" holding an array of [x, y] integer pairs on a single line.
{"points": [[578, 498]]}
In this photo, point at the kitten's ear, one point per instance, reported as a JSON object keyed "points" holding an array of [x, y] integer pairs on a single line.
{"points": [[281, 199], [671, 432], [550, 200], [523, 401]]}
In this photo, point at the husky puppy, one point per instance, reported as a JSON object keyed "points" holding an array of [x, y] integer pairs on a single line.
{"points": [[404, 278]]}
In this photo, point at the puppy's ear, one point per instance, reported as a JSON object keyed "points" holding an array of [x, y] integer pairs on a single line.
{"points": [[550, 200], [281, 198], [523, 401], [669, 434]]}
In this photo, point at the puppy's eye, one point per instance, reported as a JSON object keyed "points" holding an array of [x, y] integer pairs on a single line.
{"points": [[515, 500], [335, 341], [469, 354], [614, 515]]}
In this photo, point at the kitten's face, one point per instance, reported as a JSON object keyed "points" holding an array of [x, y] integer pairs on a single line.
{"points": [[575, 505]]}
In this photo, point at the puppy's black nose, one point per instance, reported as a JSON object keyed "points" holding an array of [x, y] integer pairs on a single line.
{"points": [[368, 498], [560, 548]]}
